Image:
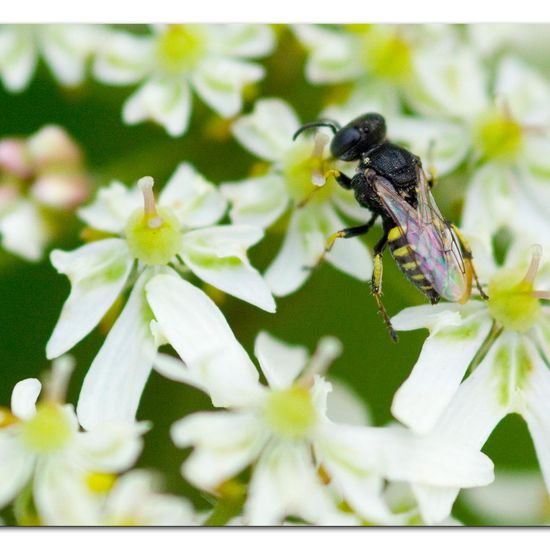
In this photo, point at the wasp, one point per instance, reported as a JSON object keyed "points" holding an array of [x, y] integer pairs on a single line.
{"points": [[390, 182]]}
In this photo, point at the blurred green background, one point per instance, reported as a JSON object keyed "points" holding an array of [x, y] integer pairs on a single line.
{"points": [[331, 303]]}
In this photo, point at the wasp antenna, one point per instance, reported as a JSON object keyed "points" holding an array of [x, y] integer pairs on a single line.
{"points": [[332, 124]]}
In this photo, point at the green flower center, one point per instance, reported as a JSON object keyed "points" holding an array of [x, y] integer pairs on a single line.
{"points": [[290, 413], [48, 430], [513, 304], [386, 54], [153, 235], [180, 48], [497, 136], [301, 168]]}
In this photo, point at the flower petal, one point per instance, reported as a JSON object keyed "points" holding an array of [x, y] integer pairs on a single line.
{"points": [[217, 255], [123, 58], [194, 200], [225, 443], [256, 201], [98, 272], [198, 331], [166, 102], [117, 376], [437, 374], [303, 245], [17, 57], [280, 362], [220, 83], [23, 231], [242, 40], [267, 131], [112, 207], [23, 398], [17, 466], [111, 446]]}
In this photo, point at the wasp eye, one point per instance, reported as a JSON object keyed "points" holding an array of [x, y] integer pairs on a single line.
{"points": [[344, 140]]}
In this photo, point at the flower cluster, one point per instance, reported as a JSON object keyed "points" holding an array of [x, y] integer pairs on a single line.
{"points": [[278, 438]]}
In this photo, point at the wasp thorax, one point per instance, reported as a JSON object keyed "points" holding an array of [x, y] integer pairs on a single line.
{"points": [[498, 136], [290, 412], [306, 170], [180, 48], [153, 234], [513, 301]]}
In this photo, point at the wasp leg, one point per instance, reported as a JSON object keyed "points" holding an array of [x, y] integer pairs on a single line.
{"points": [[346, 233], [376, 283], [467, 253]]}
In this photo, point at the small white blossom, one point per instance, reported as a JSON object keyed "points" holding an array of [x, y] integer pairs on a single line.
{"points": [[213, 60], [501, 343], [42, 446], [295, 181], [303, 464], [145, 242], [65, 48]]}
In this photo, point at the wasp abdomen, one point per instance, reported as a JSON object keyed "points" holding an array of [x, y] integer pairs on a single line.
{"points": [[403, 253]]}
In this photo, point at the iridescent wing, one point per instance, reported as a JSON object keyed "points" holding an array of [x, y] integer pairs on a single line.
{"points": [[432, 240]]}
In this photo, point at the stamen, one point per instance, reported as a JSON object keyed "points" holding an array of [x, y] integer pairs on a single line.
{"points": [[320, 141], [145, 185], [58, 379], [534, 265]]}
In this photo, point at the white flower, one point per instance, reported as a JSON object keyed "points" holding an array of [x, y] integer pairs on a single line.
{"points": [[42, 179], [296, 180], [147, 242], [503, 344], [213, 60], [283, 432], [65, 49], [42, 447], [375, 52], [134, 500], [503, 124]]}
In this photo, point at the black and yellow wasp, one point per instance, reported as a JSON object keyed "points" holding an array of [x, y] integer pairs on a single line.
{"points": [[390, 182]]}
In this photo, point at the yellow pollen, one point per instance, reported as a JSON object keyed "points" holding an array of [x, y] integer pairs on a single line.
{"points": [[48, 430]]}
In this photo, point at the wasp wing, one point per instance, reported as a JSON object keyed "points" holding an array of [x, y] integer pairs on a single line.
{"points": [[431, 239]]}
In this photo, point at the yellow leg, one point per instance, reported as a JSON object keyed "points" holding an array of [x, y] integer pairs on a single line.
{"points": [[377, 293], [468, 257]]}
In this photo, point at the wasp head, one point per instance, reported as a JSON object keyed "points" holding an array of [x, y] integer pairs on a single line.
{"points": [[358, 136]]}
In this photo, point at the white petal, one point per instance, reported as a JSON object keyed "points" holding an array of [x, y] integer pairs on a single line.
{"points": [[256, 201], [439, 143], [285, 483], [280, 362], [134, 500], [24, 396], [435, 503], [98, 272], [66, 49], [174, 369], [267, 131], [345, 202], [17, 56], [225, 443], [217, 255], [243, 40], [112, 207], [435, 378], [117, 376], [346, 406], [61, 495], [197, 330], [17, 465], [301, 249], [348, 255], [220, 83], [24, 231], [111, 446], [123, 58], [166, 102], [333, 54], [195, 201]]}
